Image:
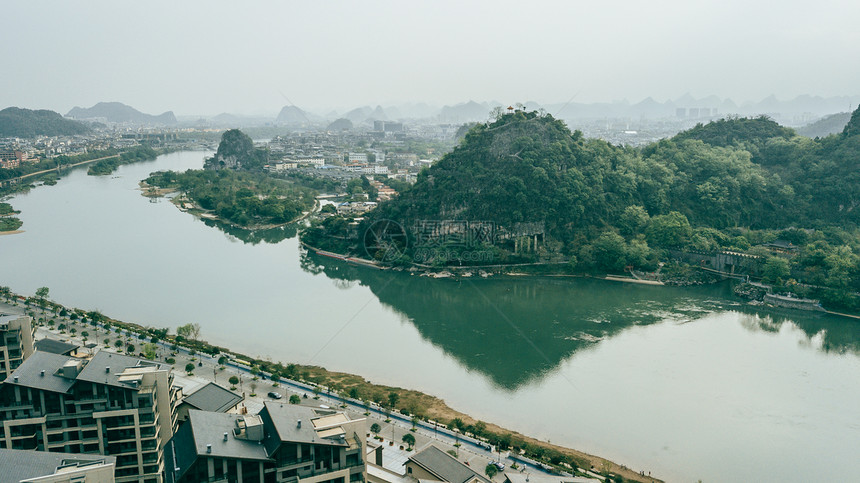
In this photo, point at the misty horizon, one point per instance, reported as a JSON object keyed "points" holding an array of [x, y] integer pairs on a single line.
{"points": [[208, 58], [851, 102]]}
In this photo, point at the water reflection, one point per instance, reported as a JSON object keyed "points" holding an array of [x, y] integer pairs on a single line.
{"points": [[828, 333], [518, 331], [254, 237]]}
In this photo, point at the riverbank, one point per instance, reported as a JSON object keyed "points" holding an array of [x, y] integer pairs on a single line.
{"points": [[188, 206], [407, 403], [262, 202]]}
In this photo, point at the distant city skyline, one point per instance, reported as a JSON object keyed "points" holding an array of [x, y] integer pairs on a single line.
{"points": [[205, 58]]}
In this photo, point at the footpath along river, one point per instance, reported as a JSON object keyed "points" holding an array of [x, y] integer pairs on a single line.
{"points": [[685, 383]]}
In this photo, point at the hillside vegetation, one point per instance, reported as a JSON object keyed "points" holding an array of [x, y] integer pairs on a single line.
{"points": [[731, 184], [27, 123], [234, 187], [827, 125]]}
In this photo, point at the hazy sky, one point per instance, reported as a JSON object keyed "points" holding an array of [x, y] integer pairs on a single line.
{"points": [[206, 57]]}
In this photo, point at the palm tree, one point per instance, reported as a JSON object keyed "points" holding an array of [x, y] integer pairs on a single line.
{"points": [[491, 471]]}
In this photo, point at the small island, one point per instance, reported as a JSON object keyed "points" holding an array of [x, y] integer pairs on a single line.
{"points": [[234, 188], [8, 222]]}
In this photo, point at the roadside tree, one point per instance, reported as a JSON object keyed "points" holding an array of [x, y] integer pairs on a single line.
{"points": [[409, 439]]}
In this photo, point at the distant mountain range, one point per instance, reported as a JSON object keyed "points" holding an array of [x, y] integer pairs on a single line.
{"points": [[27, 123], [796, 112], [827, 125], [294, 115], [117, 112]]}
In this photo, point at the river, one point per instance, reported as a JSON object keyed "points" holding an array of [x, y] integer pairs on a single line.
{"points": [[685, 383]]}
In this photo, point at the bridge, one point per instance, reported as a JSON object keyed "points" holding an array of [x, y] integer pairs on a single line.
{"points": [[17, 180]]}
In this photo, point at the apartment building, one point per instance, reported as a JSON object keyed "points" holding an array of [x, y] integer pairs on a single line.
{"points": [[109, 404], [16, 342], [284, 443]]}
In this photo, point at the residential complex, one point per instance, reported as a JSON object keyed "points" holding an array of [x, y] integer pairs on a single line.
{"points": [[110, 405], [284, 443]]}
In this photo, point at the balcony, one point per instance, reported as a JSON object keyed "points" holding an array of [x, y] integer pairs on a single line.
{"points": [[119, 436], [289, 463], [150, 432], [124, 449], [125, 472], [16, 432], [15, 405]]}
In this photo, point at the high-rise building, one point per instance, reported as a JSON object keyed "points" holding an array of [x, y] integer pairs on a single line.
{"points": [[16, 342], [110, 405]]}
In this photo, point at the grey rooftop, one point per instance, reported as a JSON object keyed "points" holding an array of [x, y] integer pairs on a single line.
{"points": [[105, 368], [30, 373], [208, 428], [285, 417], [444, 466], [55, 346], [20, 465], [213, 397]]}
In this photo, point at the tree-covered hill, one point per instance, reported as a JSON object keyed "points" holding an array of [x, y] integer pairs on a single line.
{"points": [[527, 168], [237, 151], [234, 187], [27, 123], [729, 185], [853, 126], [736, 130]]}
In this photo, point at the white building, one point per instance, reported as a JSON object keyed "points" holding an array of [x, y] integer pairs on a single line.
{"points": [[360, 158]]}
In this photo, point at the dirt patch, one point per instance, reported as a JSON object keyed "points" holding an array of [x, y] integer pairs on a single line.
{"points": [[431, 407], [152, 191]]}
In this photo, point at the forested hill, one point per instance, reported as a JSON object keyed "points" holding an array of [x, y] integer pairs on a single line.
{"points": [[27, 123], [731, 173], [236, 151], [735, 131], [523, 168], [853, 126], [736, 184]]}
